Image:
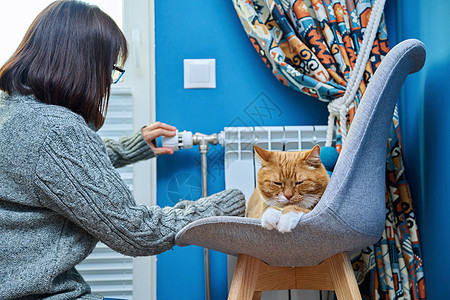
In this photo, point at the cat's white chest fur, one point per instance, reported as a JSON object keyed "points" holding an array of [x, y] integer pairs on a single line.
{"points": [[274, 219]]}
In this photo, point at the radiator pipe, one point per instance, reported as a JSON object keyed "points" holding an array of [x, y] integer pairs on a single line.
{"points": [[185, 140], [203, 141]]}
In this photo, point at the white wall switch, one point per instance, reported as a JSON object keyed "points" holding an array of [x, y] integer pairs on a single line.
{"points": [[199, 73]]}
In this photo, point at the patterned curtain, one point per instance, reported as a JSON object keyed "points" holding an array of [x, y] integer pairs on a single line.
{"points": [[312, 46]]}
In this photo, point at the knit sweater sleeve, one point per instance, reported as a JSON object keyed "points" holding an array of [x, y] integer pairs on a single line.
{"points": [[128, 150], [76, 179]]}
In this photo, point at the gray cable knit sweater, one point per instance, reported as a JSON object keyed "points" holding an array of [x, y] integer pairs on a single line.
{"points": [[60, 195]]}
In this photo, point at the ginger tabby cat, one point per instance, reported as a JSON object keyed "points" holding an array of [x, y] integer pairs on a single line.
{"points": [[289, 184]]}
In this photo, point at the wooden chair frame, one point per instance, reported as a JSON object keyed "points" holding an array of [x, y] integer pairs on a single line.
{"points": [[252, 277]]}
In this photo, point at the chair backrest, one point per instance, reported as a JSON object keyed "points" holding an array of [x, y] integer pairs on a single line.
{"points": [[356, 192]]}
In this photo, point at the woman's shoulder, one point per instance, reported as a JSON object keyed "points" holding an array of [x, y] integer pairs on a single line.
{"points": [[29, 114], [29, 105], [48, 114]]}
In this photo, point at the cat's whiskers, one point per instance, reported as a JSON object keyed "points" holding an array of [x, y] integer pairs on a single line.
{"points": [[272, 201], [309, 200]]}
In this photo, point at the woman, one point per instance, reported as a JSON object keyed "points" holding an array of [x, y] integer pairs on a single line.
{"points": [[59, 191]]}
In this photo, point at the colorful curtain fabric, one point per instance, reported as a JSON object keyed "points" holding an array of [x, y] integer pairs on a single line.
{"points": [[312, 47]]}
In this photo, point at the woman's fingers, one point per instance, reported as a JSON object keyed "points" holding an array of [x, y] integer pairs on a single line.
{"points": [[155, 130]]}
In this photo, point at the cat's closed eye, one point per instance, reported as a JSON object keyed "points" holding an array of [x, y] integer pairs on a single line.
{"points": [[277, 183], [299, 182]]}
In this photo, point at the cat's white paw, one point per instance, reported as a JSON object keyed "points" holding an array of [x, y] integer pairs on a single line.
{"points": [[288, 221], [270, 217]]}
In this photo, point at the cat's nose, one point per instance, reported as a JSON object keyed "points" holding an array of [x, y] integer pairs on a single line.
{"points": [[288, 196]]}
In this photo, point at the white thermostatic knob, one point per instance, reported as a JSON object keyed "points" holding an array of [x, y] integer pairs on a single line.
{"points": [[171, 142], [186, 139], [179, 140]]}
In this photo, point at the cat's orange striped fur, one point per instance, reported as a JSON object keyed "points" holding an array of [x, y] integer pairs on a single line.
{"points": [[289, 184]]}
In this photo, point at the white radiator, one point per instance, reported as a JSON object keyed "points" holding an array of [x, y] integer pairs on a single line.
{"points": [[241, 167]]}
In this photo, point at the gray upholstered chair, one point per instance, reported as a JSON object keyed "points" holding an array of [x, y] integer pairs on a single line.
{"points": [[350, 215]]}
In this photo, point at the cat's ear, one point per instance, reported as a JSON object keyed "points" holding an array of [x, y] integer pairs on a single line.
{"points": [[262, 153], [313, 158]]}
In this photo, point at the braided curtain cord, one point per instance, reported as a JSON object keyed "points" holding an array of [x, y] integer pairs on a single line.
{"points": [[340, 106]]}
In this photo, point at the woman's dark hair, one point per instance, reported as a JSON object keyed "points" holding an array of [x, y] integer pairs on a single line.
{"points": [[66, 58]]}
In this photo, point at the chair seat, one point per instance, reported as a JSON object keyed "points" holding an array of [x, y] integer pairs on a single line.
{"points": [[314, 239]]}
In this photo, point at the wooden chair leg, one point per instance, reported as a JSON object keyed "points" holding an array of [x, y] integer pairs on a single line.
{"points": [[335, 273], [257, 296], [244, 278], [343, 277]]}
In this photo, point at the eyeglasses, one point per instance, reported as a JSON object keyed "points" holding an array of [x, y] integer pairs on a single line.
{"points": [[117, 74]]}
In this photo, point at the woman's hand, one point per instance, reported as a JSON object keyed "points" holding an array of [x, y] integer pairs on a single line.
{"points": [[155, 130]]}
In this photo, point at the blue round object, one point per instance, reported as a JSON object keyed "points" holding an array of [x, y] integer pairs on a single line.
{"points": [[329, 157]]}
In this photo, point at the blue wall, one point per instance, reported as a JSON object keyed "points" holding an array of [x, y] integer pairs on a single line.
{"points": [[247, 94], [424, 113]]}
